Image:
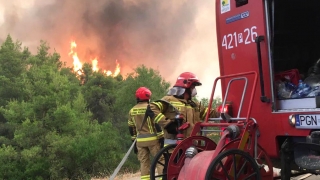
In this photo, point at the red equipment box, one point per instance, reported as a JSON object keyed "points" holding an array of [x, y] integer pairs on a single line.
{"points": [[292, 75]]}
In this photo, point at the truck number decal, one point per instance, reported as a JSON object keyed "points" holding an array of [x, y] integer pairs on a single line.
{"points": [[240, 37], [232, 40], [248, 34]]}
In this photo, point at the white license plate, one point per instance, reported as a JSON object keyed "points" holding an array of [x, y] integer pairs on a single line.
{"points": [[308, 121]]}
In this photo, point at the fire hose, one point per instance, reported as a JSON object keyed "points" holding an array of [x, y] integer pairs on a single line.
{"points": [[123, 161]]}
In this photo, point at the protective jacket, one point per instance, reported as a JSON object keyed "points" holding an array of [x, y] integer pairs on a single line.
{"points": [[149, 134], [191, 111], [143, 128]]}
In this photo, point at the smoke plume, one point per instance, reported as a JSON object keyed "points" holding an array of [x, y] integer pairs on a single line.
{"points": [[170, 36]]}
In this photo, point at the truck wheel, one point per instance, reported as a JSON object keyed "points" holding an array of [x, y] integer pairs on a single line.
{"points": [[233, 164], [262, 158], [166, 152]]}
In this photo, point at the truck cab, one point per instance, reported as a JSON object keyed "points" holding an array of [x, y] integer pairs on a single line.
{"points": [[280, 40]]}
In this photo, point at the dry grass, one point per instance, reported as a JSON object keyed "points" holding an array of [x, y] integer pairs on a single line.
{"points": [[126, 176], [215, 136]]}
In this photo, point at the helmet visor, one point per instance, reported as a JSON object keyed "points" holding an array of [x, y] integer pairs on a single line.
{"points": [[194, 92], [176, 91]]}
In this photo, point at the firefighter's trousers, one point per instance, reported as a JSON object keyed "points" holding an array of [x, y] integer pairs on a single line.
{"points": [[144, 153]]}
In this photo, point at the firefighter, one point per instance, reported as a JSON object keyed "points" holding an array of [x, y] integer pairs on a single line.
{"points": [[180, 97], [149, 136]]}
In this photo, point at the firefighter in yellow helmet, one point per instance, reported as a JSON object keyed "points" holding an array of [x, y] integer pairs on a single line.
{"points": [[149, 136], [180, 97]]}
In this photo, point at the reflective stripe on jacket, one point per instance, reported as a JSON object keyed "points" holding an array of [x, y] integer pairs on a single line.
{"points": [[192, 112], [148, 131]]}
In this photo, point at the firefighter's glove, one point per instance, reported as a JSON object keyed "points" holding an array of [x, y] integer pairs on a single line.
{"points": [[172, 127], [161, 142], [135, 149]]}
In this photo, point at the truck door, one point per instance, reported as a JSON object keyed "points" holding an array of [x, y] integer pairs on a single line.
{"points": [[239, 23]]}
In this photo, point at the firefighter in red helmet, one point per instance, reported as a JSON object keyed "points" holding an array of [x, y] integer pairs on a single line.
{"points": [[180, 97], [149, 136]]}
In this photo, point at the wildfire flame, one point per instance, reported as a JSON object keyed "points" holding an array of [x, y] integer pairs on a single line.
{"points": [[77, 65], [95, 65]]}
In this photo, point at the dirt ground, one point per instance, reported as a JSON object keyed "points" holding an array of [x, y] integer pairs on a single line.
{"points": [[128, 176], [136, 176], [306, 177]]}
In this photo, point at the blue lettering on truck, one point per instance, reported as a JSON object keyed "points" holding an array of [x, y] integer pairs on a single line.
{"points": [[237, 17]]}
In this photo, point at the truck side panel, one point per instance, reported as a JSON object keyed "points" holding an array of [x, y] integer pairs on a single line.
{"points": [[237, 29]]}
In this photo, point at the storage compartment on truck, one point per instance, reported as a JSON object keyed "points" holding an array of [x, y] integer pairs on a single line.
{"points": [[295, 48]]}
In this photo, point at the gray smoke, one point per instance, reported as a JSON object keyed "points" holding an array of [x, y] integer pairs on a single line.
{"points": [[157, 33]]}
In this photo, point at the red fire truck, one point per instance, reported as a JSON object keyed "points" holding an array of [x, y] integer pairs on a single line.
{"points": [[261, 43]]}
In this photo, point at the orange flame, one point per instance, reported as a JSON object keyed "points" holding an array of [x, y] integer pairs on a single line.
{"points": [[117, 70], [95, 65], [77, 65], [108, 73]]}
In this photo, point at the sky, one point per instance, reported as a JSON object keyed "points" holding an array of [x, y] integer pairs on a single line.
{"points": [[170, 36]]}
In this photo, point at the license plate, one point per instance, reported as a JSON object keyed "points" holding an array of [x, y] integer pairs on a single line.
{"points": [[308, 121]]}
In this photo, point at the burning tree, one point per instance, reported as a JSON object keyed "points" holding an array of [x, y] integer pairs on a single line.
{"points": [[53, 128], [77, 64]]}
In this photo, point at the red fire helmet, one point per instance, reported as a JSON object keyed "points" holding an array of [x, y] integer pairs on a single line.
{"points": [[143, 93], [186, 79]]}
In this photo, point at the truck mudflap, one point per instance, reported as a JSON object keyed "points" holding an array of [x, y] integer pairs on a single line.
{"points": [[307, 156]]}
